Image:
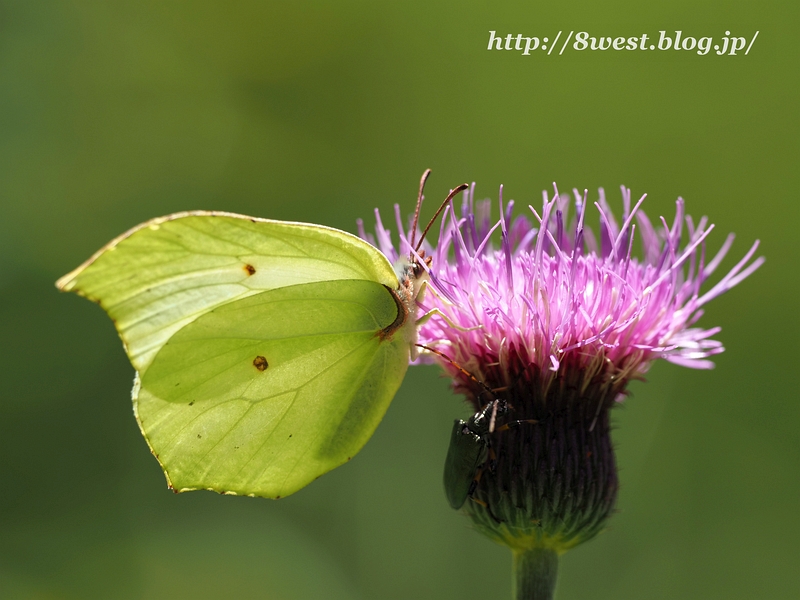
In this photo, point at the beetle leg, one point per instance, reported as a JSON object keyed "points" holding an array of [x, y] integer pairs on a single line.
{"points": [[491, 460], [487, 507], [512, 424], [476, 480]]}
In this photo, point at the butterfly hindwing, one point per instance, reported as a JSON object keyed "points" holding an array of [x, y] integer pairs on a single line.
{"points": [[265, 394]]}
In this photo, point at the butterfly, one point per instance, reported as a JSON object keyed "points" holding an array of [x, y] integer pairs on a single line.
{"points": [[266, 352]]}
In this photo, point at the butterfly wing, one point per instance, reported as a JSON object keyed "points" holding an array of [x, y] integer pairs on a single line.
{"points": [[167, 272], [266, 351], [264, 394]]}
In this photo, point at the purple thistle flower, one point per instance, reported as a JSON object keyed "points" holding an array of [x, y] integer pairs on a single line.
{"points": [[559, 300], [556, 320]]}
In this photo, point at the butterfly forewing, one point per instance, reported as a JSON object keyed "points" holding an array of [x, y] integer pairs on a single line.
{"points": [[164, 274]]}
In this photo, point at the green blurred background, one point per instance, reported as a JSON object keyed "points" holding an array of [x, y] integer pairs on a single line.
{"points": [[115, 112]]}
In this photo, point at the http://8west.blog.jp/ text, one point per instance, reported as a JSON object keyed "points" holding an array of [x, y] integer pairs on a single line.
{"points": [[724, 45]]}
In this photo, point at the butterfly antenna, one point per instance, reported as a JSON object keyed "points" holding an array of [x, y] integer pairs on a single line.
{"points": [[422, 181], [460, 368], [447, 200]]}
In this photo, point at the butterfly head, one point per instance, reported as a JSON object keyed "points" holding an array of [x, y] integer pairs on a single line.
{"points": [[412, 273]]}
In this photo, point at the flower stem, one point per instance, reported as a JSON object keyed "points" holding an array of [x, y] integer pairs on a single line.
{"points": [[535, 573]]}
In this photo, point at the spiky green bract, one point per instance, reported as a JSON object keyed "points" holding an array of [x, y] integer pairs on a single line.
{"points": [[552, 483]]}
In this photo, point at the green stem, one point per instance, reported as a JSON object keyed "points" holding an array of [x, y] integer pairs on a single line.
{"points": [[535, 573]]}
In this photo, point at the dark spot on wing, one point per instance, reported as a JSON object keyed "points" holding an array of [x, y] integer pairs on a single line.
{"points": [[260, 363], [251, 270], [199, 436], [191, 403]]}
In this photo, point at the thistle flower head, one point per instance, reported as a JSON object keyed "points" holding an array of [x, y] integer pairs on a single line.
{"points": [[555, 296], [557, 319]]}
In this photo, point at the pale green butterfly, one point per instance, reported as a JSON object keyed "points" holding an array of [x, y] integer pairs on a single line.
{"points": [[266, 352]]}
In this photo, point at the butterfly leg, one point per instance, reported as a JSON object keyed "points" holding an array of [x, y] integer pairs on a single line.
{"points": [[436, 312]]}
